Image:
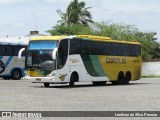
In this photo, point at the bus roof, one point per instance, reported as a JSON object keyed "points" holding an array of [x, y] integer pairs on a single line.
{"points": [[79, 36], [15, 40], [92, 37], [106, 39], [49, 38]]}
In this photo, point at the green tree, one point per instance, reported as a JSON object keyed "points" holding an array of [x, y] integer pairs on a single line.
{"points": [[76, 13], [150, 48], [73, 29]]}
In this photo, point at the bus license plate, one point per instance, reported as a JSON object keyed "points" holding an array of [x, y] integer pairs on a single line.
{"points": [[38, 79]]}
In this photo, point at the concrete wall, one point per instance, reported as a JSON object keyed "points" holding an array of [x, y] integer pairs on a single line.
{"points": [[151, 68]]}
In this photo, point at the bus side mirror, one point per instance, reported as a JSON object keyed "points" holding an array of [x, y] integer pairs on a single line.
{"points": [[54, 54], [20, 52]]}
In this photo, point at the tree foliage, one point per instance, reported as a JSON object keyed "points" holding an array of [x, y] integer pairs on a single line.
{"points": [[150, 48], [76, 13], [78, 20], [73, 29]]}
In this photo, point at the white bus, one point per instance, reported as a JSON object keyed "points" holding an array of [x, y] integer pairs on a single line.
{"points": [[83, 58], [11, 67]]}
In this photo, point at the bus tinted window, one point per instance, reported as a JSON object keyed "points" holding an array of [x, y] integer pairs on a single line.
{"points": [[85, 47], [106, 48], [103, 48], [62, 53], [17, 48], [134, 50], [116, 49], [124, 49], [75, 46], [96, 48], [11, 50], [7, 50], [119, 49], [1, 51]]}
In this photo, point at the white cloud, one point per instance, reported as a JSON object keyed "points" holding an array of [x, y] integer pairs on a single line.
{"points": [[142, 13], [18, 25], [11, 1], [124, 10]]}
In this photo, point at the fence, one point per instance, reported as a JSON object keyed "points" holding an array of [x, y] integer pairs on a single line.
{"points": [[151, 68]]}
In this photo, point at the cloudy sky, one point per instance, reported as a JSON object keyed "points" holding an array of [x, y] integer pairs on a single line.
{"points": [[18, 16]]}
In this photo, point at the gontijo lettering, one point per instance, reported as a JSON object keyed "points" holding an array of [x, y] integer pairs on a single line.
{"points": [[116, 60]]}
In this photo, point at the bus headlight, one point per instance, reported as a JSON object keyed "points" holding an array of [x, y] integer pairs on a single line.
{"points": [[51, 74], [26, 74]]}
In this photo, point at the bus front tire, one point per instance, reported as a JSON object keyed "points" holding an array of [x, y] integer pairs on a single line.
{"points": [[16, 74], [74, 78], [46, 84]]}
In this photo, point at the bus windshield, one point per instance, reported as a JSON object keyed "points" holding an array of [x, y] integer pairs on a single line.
{"points": [[42, 45], [39, 55]]}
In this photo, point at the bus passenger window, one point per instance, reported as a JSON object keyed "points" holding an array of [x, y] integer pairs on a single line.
{"points": [[85, 47], [62, 53], [96, 48], [7, 50], [75, 46], [106, 48], [1, 51]]}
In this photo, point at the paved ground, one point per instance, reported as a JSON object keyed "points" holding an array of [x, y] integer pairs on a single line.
{"points": [[22, 95]]}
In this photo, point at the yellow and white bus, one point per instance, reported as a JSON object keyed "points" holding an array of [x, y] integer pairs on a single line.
{"points": [[82, 58]]}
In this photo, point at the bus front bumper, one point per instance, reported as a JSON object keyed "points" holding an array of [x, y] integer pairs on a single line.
{"points": [[40, 79]]}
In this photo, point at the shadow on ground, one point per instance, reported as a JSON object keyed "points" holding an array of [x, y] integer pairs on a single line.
{"points": [[85, 85]]}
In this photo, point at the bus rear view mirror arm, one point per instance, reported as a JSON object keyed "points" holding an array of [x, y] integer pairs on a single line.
{"points": [[20, 52], [54, 54]]}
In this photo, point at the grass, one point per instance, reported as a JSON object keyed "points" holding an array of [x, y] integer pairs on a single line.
{"points": [[151, 76]]}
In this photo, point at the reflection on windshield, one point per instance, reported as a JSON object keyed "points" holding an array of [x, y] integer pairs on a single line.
{"points": [[41, 59], [42, 45]]}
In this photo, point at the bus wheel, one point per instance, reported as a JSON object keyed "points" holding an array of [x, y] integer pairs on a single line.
{"points": [[120, 78], [16, 74], [99, 83], [74, 78], [127, 78], [6, 78], [46, 84]]}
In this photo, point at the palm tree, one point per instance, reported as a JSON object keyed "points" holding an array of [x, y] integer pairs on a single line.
{"points": [[76, 13]]}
